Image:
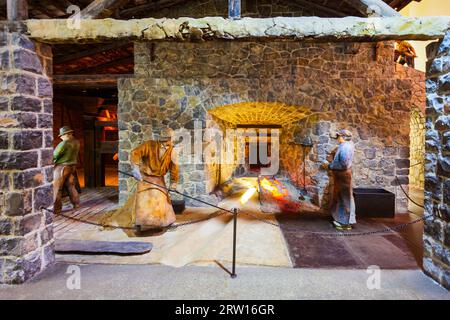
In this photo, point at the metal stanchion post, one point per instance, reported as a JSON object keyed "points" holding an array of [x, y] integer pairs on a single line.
{"points": [[233, 272]]}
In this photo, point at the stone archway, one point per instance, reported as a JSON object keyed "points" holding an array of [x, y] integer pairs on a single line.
{"points": [[417, 148]]}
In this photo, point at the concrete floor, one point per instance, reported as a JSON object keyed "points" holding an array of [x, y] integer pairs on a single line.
{"points": [[163, 282]]}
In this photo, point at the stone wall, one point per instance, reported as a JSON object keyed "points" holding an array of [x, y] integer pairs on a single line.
{"points": [[345, 85], [26, 169], [436, 237]]}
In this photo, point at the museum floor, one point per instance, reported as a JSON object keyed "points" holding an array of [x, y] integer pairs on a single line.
{"points": [[258, 244], [194, 282]]}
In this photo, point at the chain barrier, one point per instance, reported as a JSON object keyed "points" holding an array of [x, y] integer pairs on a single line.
{"points": [[147, 228], [351, 234], [339, 233], [221, 211]]}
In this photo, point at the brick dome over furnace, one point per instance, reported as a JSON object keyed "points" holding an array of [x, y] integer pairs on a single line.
{"points": [[260, 113]]}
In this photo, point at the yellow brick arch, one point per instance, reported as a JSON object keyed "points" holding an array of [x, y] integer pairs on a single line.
{"points": [[260, 113]]}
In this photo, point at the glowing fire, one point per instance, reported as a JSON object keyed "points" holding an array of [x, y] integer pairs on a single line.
{"points": [[275, 187], [105, 115], [247, 195]]}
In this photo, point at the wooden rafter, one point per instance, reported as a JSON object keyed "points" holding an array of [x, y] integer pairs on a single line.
{"points": [[110, 64], [50, 8], [320, 8], [364, 6], [156, 5], [90, 52], [88, 81], [101, 9]]}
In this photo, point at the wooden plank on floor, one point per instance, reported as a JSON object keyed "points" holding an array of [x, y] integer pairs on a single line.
{"points": [[93, 202], [102, 247]]}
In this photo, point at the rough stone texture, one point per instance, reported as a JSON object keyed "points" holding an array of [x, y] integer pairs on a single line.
{"points": [[25, 244], [346, 85], [437, 172], [182, 29]]}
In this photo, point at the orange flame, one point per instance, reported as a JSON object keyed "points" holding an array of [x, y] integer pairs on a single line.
{"points": [[107, 116], [275, 188]]}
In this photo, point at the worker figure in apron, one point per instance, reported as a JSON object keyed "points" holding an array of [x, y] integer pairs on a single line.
{"points": [[151, 161], [343, 203], [405, 53], [65, 159]]}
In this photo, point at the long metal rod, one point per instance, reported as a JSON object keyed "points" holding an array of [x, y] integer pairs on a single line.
{"points": [[233, 270]]}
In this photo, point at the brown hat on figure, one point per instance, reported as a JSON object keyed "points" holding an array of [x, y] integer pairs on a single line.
{"points": [[165, 135], [346, 134], [65, 130]]}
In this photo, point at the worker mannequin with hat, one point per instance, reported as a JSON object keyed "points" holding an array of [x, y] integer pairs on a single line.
{"points": [[65, 159], [343, 203], [151, 161]]}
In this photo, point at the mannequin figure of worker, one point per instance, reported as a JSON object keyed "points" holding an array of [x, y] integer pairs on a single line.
{"points": [[405, 53], [65, 172], [343, 203], [151, 161]]}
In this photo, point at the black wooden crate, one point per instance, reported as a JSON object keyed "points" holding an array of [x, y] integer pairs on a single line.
{"points": [[375, 203]]}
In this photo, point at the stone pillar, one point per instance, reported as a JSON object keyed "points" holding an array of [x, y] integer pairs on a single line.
{"points": [[26, 169], [436, 261]]}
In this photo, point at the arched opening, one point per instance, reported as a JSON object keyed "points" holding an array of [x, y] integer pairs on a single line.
{"points": [[417, 157]]}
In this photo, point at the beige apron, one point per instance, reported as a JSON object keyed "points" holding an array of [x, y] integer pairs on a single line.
{"points": [[153, 206]]}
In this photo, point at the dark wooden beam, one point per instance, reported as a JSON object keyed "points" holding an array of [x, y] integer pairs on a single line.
{"points": [[101, 9], [110, 64], [88, 81], [89, 52], [317, 7], [17, 10], [358, 6], [364, 5], [63, 4], [147, 8], [50, 9]]}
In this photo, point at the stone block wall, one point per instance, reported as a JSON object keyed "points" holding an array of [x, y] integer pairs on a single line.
{"points": [[26, 168], [436, 261], [344, 85]]}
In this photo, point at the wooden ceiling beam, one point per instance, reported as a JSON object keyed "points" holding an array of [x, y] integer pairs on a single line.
{"points": [[88, 80], [63, 5], [157, 5], [90, 52], [50, 8], [101, 9], [109, 64], [366, 6], [317, 7]]}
